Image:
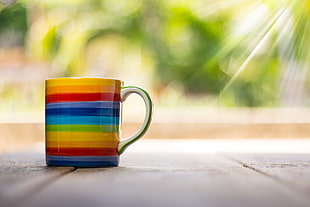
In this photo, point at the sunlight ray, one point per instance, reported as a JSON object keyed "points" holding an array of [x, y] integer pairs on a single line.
{"points": [[252, 54], [250, 39], [293, 80]]}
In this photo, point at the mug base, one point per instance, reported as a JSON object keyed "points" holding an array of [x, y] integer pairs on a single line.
{"points": [[82, 161]]}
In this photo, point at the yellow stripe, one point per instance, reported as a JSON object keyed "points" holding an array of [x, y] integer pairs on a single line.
{"points": [[74, 144], [83, 81], [82, 89], [82, 136]]}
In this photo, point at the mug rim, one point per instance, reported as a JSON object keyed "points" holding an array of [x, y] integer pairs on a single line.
{"points": [[64, 78], [84, 80]]}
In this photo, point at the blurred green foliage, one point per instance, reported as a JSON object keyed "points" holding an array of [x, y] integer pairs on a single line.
{"points": [[241, 53], [13, 21]]}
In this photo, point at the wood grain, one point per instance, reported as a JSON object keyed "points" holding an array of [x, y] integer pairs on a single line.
{"points": [[166, 179], [291, 170], [23, 175], [160, 176]]}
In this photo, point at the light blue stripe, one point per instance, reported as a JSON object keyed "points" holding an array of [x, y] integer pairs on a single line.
{"points": [[85, 104], [82, 120]]}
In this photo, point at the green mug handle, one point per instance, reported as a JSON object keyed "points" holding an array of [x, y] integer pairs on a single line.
{"points": [[125, 92]]}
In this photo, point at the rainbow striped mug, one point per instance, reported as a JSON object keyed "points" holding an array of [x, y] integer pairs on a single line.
{"points": [[83, 118]]}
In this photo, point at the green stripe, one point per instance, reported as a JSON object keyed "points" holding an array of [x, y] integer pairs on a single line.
{"points": [[83, 128]]}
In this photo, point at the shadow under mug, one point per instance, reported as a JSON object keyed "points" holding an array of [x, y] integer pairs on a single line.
{"points": [[83, 121]]}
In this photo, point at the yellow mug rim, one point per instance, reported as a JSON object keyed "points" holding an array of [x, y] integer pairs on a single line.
{"points": [[101, 81]]}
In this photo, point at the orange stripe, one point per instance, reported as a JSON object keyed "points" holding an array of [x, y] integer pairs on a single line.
{"points": [[82, 89], [87, 144]]}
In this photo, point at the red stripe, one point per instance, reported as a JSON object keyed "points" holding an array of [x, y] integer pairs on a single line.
{"points": [[82, 151], [70, 97]]}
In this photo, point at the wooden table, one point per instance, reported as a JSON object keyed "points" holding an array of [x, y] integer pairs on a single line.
{"points": [[167, 173]]}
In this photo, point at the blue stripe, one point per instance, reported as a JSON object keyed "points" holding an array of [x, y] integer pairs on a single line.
{"points": [[83, 111], [85, 104], [83, 161], [82, 120]]}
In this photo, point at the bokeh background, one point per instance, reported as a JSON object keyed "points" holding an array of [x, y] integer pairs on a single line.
{"points": [[187, 53]]}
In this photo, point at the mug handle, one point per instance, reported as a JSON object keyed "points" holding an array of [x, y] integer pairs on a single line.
{"points": [[125, 92]]}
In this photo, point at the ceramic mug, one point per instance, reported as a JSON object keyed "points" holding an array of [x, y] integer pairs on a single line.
{"points": [[83, 121]]}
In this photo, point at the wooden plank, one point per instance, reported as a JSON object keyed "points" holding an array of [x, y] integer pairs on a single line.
{"points": [[23, 175], [292, 170], [166, 179], [223, 130]]}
